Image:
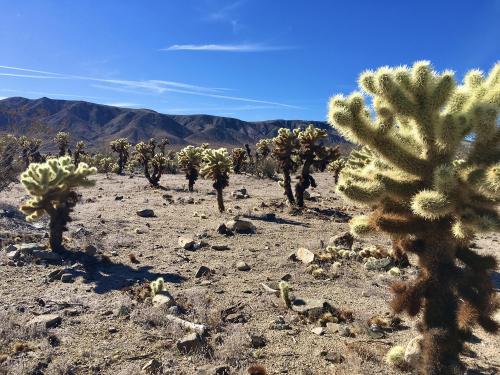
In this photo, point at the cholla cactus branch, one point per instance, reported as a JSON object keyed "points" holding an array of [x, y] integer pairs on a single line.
{"points": [[217, 165], [426, 198], [190, 159], [51, 186]]}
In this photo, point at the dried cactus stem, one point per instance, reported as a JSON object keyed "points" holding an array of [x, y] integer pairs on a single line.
{"points": [[287, 185], [219, 185], [305, 180]]}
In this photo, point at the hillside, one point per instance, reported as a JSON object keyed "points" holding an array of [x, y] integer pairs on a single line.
{"points": [[98, 124]]}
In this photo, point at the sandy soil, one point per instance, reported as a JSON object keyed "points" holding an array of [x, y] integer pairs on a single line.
{"points": [[105, 329]]}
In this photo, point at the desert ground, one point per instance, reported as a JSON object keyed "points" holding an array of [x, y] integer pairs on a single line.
{"points": [[103, 323]]}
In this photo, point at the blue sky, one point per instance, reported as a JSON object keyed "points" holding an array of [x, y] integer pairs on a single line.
{"points": [[251, 59]]}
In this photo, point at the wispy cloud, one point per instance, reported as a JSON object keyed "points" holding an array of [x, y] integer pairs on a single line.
{"points": [[245, 47], [122, 104], [249, 107], [151, 86]]}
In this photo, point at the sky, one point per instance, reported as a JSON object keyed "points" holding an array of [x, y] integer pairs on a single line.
{"points": [[249, 59]]}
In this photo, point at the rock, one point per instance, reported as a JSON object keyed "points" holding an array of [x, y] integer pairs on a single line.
{"points": [[152, 367], [214, 370], [163, 299], [29, 248], [345, 331], [377, 264], [9, 248], [67, 278], [46, 321], [147, 212], [257, 341], [240, 194], [91, 250], [241, 226], [203, 271], [242, 266], [190, 343], [375, 332], [312, 308], [304, 255], [222, 229], [220, 247], [186, 243], [318, 331], [174, 310], [280, 324], [112, 330], [119, 198], [55, 275], [186, 200], [344, 241], [334, 357], [236, 318], [139, 231], [413, 351], [13, 255]]}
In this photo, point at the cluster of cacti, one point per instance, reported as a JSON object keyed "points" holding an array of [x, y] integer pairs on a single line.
{"points": [[336, 167], [157, 286], [62, 140], [79, 151], [121, 147], [217, 166], [152, 163], [51, 186], [162, 146], [424, 196], [10, 162], [312, 153], [285, 146], [239, 157], [263, 148], [30, 150], [189, 159]]}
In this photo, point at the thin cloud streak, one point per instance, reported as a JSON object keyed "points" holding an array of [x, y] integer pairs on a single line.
{"points": [[226, 47], [157, 86]]}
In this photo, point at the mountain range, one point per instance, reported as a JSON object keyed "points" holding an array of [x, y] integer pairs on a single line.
{"points": [[98, 124]]}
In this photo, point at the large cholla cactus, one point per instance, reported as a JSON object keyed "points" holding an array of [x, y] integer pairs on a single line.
{"points": [[190, 159], [312, 153], [121, 147], [217, 165], [263, 148], [285, 147], [425, 196], [51, 186], [62, 140], [336, 167], [153, 163], [79, 151], [239, 159]]}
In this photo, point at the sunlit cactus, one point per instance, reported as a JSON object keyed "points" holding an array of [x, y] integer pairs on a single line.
{"points": [[105, 164], [52, 188], [336, 167], [30, 149], [79, 151], [285, 147], [62, 140], [425, 195], [152, 163], [121, 146], [10, 162], [163, 146], [263, 148], [239, 157], [216, 166], [190, 159], [312, 153]]}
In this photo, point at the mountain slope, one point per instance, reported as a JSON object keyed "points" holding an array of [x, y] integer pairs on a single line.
{"points": [[98, 124]]}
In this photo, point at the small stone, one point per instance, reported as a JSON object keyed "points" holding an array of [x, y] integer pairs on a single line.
{"points": [[220, 247], [203, 271], [190, 343], [222, 229], [139, 231], [318, 331], [241, 226], [258, 341], [90, 250], [304, 255], [344, 241], [345, 331], [147, 212], [236, 318], [67, 278], [112, 330], [114, 253], [119, 198], [334, 357], [186, 243], [242, 266], [163, 299], [47, 320], [312, 308], [152, 367], [13, 255]]}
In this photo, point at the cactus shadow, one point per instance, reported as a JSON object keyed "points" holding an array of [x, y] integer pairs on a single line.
{"points": [[108, 276], [272, 218], [339, 216]]}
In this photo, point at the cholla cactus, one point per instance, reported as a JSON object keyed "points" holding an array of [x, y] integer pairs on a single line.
{"points": [[284, 289], [30, 150], [62, 140], [190, 159], [77, 155], [51, 186], [312, 153], [239, 159], [285, 147], [217, 165], [336, 167], [153, 163], [425, 196], [121, 147], [163, 146], [105, 164], [157, 286], [10, 163], [263, 148]]}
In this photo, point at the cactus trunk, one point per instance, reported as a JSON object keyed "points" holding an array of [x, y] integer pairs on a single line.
{"points": [[303, 184], [57, 225], [287, 184], [220, 200]]}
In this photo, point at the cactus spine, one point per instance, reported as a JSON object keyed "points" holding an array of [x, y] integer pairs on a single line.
{"points": [[426, 197], [62, 140], [51, 186], [121, 147], [217, 165], [312, 153], [285, 146], [190, 159]]}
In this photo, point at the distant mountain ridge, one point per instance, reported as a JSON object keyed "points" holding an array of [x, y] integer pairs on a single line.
{"points": [[98, 124]]}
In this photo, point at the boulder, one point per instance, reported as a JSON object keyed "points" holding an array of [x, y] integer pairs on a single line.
{"points": [[241, 226], [163, 299]]}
